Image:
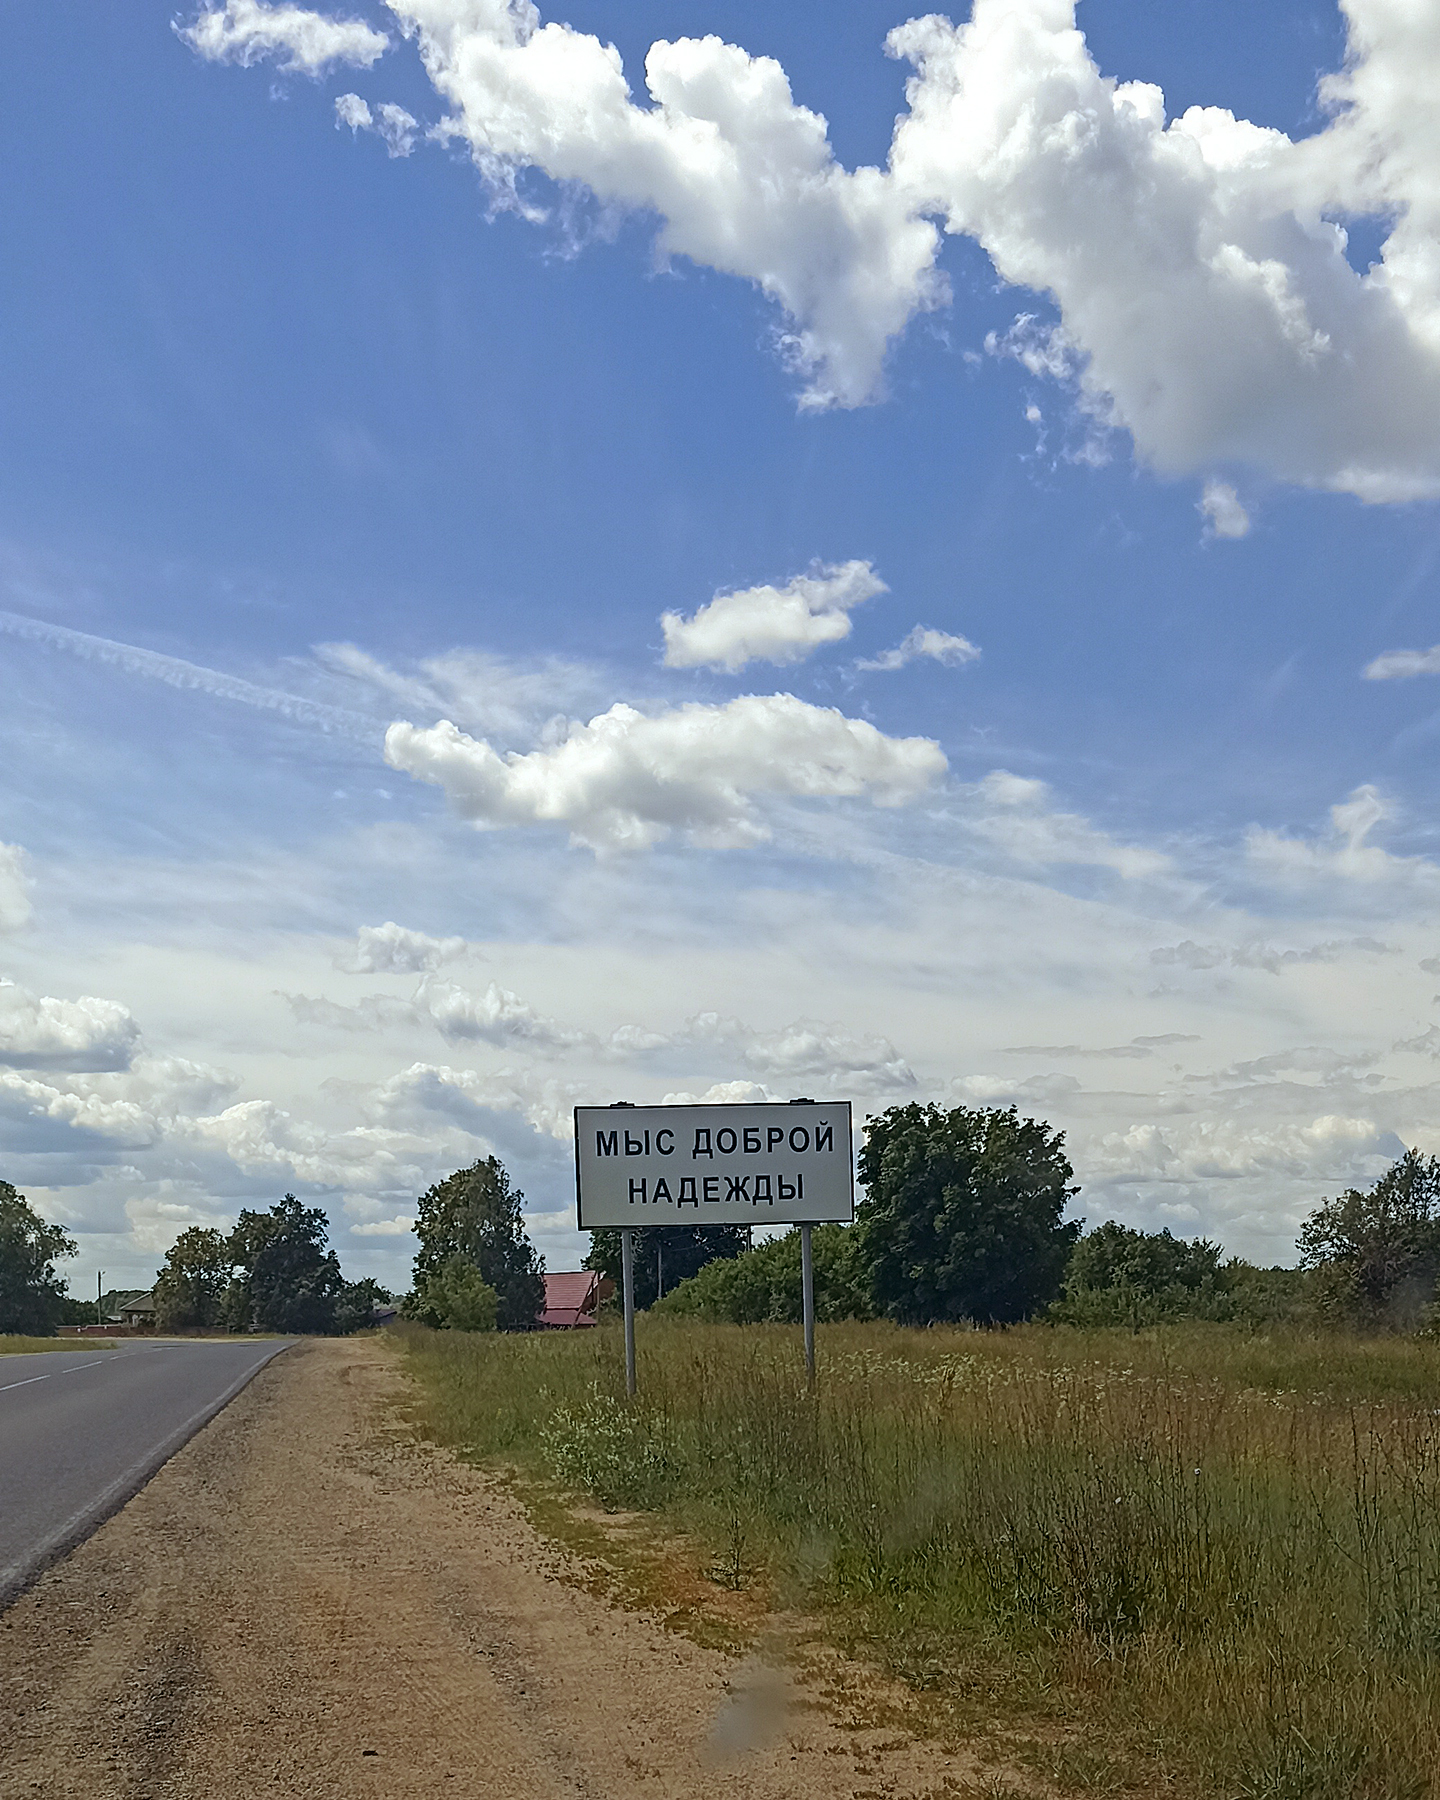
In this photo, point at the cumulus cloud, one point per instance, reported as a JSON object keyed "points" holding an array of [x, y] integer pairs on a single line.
{"points": [[1225, 1149], [855, 1062], [1222, 512], [301, 41], [1014, 813], [1400, 665], [771, 624], [1198, 264], [135, 1106], [627, 779], [392, 949], [924, 640], [40, 1032], [14, 888], [741, 177], [395, 127]]}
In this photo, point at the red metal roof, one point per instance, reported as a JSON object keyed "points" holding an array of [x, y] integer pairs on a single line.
{"points": [[571, 1297]]}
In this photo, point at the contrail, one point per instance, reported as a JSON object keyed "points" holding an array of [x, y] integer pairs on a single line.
{"points": [[191, 677]]}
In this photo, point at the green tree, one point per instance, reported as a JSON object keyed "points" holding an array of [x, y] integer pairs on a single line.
{"points": [[475, 1214], [32, 1295], [190, 1288], [1377, 1254], [665, 1255], [962, 1215], [1119, 1276], [763, 1285], [287, 1281], [356, 1303], [455, 1297]]}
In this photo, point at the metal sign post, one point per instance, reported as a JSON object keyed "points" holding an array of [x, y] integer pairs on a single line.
{"points": [[627, 1280], [807, 1299]]}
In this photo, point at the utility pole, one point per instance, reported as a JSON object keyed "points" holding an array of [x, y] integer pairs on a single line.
{"points": [[99, 1312]]}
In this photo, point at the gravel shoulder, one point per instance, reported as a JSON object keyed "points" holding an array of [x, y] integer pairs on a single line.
{"points": [[304, 1601]]}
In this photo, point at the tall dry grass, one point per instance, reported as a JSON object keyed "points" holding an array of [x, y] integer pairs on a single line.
{"points": [[1208, 1560]]}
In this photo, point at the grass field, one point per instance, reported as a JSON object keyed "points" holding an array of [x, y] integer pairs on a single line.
{"points": [[1186, 1561], [22, 1346]]}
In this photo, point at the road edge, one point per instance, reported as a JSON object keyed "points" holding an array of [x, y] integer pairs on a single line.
{"points": [[18, 1577]]}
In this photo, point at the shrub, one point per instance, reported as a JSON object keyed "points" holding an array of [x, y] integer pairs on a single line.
{"points": [[763, 1285]]}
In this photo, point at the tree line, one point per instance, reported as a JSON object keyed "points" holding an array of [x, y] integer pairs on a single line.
{"points": [[962, 1219]]}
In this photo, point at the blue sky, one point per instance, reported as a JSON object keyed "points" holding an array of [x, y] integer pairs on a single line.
{"points": [[304, 439]]}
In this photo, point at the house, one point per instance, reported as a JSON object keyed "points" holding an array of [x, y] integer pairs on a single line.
{"points": [[138, 1312], [572, 1298]]}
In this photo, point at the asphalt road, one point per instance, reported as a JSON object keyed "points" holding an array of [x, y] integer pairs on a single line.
{"points": [[83, 1430]]}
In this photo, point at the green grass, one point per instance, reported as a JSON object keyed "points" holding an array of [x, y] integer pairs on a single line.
{"points": [[1190, 1560], [13, 1345]]}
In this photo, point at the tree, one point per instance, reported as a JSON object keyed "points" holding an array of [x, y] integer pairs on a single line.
{"points": [[355, 1307], [455, 1297], [1377, 1253], [288, 1280], [475, 1214], [1118, 1276], [32, 1295], [665, 1255], [962, 1216], [763, 1285], [190, 1288]]}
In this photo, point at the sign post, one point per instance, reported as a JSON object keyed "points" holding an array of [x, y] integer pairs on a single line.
{"points": [[775, 1163], [807, 1299], [627, 1282]]}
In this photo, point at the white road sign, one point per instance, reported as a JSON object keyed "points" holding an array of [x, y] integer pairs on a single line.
{"points": [[771, 1164]]}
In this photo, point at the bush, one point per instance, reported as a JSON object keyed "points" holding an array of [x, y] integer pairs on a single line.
{"points": [[762, 1286], [455, 1297], [611, 1450]]}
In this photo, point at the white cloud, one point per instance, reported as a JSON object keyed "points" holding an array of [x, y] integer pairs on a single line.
{"points": [[1002, 1090], [497, 695], [189, 677], [40, 1032], [924, 640], [392, 949], [625, 779], [1198, 263], [1399, 665], [742, 179], [1190, 955], [497, 1016], [395, 127], [849, 1061], [771, 624], [1222, 512], [302, 41], [1221, 1149], [14, 888], [1015, 815], [1343, 852]]}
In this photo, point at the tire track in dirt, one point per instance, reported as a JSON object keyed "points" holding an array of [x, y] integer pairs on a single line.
{"points": [[304, 1602]]}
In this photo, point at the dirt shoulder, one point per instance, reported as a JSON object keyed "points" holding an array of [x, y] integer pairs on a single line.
{"points": [[305, 1602]]}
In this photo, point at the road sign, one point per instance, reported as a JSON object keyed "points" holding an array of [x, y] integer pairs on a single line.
{"points": [[771, 1164]]}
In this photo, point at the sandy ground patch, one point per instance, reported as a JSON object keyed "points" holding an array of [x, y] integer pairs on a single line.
{"points": [[304, 1602]]}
